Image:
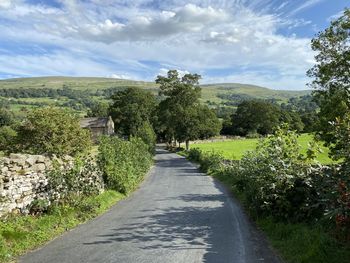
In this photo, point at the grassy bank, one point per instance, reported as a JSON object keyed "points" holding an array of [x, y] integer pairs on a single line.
{"points": [[235, 149], [20, 234], [297, 242]]}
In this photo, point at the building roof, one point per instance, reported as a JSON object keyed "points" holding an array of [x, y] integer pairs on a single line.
{"points": [[95, 122]]}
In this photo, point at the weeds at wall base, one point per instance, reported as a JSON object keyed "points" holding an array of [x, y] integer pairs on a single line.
{"points": [[20, 234]]}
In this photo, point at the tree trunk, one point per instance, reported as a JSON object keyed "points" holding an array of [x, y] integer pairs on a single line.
{"points": [[179, 145], [187, 145]]}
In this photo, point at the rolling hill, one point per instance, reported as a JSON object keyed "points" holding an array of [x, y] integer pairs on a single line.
{"points": [[214, 93]]}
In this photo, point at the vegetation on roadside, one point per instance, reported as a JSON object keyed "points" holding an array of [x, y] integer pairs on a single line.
{"points": [[46, 131], [291, 197], [123, 163], [121, 166], [19, 234]]}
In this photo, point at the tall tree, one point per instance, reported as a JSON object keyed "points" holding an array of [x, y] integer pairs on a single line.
{"points": [[131, 108], [181, 117], [332, 74]]}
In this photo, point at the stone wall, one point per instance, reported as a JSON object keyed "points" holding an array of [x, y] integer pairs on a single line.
{"points": [[24, 178]]}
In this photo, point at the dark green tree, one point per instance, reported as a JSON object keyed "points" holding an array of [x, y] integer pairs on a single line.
{"points": [[181, 117], [255, 116], [262, 117], [6, 117], [98, 109], [331, 74], [131, 108]]}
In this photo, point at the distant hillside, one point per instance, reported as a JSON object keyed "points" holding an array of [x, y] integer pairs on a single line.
{"points": [[214, 93]]}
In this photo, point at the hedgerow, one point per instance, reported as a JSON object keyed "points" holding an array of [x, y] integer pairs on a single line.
{"points": [[123, 163], [277, 180]]}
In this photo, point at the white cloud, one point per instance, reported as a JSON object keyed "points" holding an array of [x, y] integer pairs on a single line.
{"points": [[109, 38], [164, 72], [307, 4], [119, 76], [5, 3]]}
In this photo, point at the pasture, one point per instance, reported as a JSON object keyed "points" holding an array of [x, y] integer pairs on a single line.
{"points": [[235, 149]]}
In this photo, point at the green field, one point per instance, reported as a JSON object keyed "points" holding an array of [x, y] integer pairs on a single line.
{"points": [[235, 149]]}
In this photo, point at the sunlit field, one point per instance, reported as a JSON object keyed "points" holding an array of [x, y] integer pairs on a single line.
{"points": [[235, 149]]}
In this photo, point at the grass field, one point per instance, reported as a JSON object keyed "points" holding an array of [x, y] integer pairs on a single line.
{"points": [[235, 149]]}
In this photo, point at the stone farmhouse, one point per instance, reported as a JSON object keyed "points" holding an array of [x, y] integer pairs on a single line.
{"points": [[98, 126]]}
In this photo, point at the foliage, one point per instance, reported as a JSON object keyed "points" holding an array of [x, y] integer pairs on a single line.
{"points": [[258, 116], [53, 131], [123, 163], [332, 73], [180, 115], [275, 178], [6, 117], [148, 136], [130, 109], [80, 176], [8, 137], [98, 109], [304, 243], [306, 107], [209, 161], [19, 234]]}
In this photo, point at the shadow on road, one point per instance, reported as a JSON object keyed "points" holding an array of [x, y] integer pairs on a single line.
{"points": [[187, 227]]}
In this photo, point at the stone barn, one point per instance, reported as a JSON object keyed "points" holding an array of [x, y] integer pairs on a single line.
{"points": [[98, 126]]}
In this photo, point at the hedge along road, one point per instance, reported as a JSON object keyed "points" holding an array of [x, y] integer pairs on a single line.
{"points": [[177, 215]]}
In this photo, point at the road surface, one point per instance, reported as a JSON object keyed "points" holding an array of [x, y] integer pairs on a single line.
{"points": [[177, 215]]}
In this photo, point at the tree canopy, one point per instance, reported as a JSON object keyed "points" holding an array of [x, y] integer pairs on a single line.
{"points": [[180, 114], [331, 73], [131, 108], [262, 117]]}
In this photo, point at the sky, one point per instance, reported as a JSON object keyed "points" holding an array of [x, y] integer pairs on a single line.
{"points": [[260, 42]]}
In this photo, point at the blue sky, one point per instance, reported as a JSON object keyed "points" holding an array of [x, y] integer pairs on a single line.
{"points": [[261, 42]]}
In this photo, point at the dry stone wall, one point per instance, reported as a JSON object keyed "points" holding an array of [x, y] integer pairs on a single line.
{"points": [[24, 178]]}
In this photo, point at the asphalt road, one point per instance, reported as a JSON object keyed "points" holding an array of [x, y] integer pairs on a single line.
{"points": [[177, 215]]}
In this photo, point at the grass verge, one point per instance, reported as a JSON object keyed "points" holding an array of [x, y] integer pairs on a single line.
{"points": [[20, 234], [298, 242]]}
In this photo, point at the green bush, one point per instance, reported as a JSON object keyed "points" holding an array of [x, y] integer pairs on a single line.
{"points": [[7, 138], [124, 163], [277, 180], [52, 131], [81, 178], [148, 136], [209, 161]]}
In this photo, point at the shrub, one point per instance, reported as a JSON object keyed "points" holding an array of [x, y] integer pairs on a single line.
{"points": [[209, 161], [148, 136], [276, 179], [123, 163], [7, 138], [78, 177], [53, 131]]}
